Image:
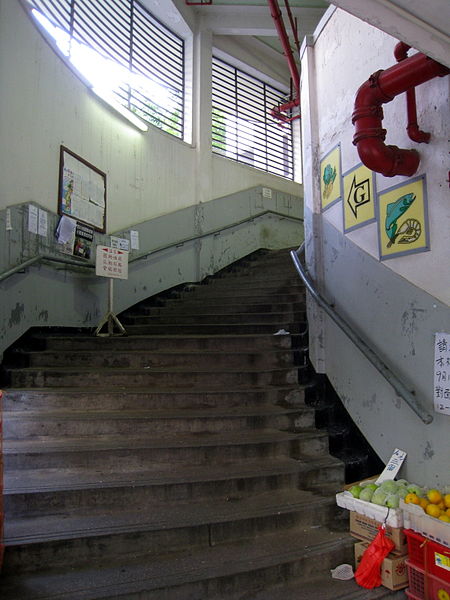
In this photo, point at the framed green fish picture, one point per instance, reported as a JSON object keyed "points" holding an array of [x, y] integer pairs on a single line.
{"points": [[330, 178], [403, 219]]}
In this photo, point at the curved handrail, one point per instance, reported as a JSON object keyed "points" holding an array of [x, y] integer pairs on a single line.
{"points": [[75, 263], [391, 378]]}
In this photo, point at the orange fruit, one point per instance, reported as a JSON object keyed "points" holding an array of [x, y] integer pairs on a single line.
{"points": [[433, 510], [412, 499], [444, 518], [447, 512], [447, 500], [434, 496], [423, 503]]}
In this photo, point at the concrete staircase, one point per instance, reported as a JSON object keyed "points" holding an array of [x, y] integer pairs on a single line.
{"points": [[179, 462]]}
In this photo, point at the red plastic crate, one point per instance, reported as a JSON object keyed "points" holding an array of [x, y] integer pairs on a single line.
{"points": [[424, 586], [430, 556], [416, 548]]}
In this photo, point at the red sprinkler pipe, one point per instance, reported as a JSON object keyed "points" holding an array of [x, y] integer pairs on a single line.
{"points": [[380, 88], [293, 69], [415, 134]]}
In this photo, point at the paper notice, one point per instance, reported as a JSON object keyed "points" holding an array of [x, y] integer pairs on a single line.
{"points": [[42, 223], [120, 243], [32, 219], [65, 230], [8, 220], [134, 235]]}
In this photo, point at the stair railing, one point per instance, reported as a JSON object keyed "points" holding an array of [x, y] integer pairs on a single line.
{"points": [[78, 263], [399, 386]]}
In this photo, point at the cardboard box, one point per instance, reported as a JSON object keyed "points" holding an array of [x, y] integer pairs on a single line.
{"points": [[394, 571], [365, 529]]}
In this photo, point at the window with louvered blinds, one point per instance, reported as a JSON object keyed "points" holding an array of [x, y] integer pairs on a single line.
{"points": [[118, 45], [242, 127]]}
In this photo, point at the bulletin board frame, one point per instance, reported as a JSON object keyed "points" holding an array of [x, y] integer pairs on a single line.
{"points": [[81, 190]]}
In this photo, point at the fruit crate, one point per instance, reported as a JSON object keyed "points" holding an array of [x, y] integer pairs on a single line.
{"points": [[416, 519], [389, 516], [424, 586], [428, 555]]}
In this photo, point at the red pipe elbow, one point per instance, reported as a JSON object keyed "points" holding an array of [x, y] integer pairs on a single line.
{"points": [[380, 88]]}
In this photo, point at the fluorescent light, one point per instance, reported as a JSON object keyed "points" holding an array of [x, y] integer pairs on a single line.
{"points": [[107, 96]]}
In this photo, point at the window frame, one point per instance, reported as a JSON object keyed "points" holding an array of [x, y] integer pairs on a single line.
{"points": [[235, 87]]}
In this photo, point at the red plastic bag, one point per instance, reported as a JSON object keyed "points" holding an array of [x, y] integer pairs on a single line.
{"points": [[368, 573]]}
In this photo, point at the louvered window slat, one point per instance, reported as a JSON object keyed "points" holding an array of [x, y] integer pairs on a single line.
{"points": [[149, 78], [242, 126]]}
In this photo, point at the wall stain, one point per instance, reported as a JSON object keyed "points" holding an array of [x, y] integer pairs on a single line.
{"points": [[43, 315], [370, 403], [409, 325], [334, 255], [16, 314], [429, 452]]}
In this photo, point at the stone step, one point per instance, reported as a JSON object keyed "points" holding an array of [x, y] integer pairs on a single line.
{"points": [[20, 425], [165, 343], [135, 359], [324, 588], [199, 306], [282, 293], [37, 492], [133, 452], [218, 329], [263, 281], [79, 537], [147, 376], [225, 296], [186, 318], [219, 570], [31, 399]]}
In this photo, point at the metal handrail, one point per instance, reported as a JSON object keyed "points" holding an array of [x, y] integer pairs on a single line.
{"points": [[75, 263], [401, 389]]}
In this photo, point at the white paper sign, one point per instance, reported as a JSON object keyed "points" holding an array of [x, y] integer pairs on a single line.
{"points": [[8, 220], [393, 466], [134, 235], [32, 218], [111, 262], [121, 243], [42, 223], [65, 231], [441, 391]]}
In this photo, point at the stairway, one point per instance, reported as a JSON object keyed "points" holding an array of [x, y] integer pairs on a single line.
{"points": [[179, 462]]}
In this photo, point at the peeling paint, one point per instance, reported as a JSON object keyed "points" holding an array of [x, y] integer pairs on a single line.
{"points": [[16, 314]]}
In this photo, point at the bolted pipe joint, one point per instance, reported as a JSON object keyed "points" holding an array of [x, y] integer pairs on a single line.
{"points": [[380, 88]]}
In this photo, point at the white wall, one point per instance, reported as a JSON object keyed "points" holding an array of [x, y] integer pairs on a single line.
{"points": [[43, 105], [398, 304]]}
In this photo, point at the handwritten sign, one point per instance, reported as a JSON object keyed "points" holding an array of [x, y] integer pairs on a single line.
{"points": [[441, 390], [393, 466]]}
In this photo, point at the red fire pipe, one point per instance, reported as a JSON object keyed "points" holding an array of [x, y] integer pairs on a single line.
{"points": [[380, 88], [293, 69], [415, 134]]}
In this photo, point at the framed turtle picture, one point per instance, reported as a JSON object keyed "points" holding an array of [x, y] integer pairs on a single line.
{"points": [[330, 178], [403, 219]]}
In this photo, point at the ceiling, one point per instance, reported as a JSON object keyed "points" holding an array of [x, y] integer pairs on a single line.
{"points": [[248, 24]]}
